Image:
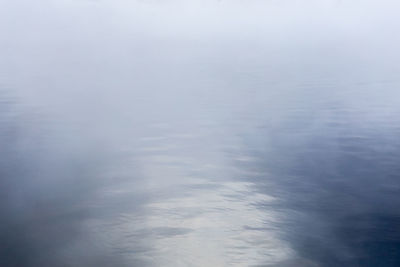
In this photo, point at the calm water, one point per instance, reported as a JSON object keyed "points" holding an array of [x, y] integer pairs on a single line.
{"points": [[214, 133]]}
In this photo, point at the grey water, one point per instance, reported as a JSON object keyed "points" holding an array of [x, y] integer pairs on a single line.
{"points": [[199, 133]]}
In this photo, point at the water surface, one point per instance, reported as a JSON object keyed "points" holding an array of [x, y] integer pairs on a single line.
{"points": [[226, 133]]}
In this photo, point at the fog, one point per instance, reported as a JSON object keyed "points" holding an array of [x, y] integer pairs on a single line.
{"points": [[199, 133]]}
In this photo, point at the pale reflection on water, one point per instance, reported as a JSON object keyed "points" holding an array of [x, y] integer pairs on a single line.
{"points": [[193, 216], [209, 224]]}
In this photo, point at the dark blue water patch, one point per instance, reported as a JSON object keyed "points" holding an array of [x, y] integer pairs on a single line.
{"points": [[339, 187], [43, 198]]}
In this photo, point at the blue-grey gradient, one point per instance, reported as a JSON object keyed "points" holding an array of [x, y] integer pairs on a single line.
{"points": [[199, 133]]}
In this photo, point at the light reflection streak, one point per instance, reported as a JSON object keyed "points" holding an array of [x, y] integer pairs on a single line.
{"points": [[205, 224]]}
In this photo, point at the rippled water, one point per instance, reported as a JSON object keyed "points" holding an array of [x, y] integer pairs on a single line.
{"points": [[226, 133]]}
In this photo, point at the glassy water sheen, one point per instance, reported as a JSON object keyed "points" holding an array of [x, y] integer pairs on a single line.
{"points": [[199, 133]]}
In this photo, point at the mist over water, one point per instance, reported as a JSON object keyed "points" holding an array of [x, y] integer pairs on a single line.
{"points": [[199, 133]]}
